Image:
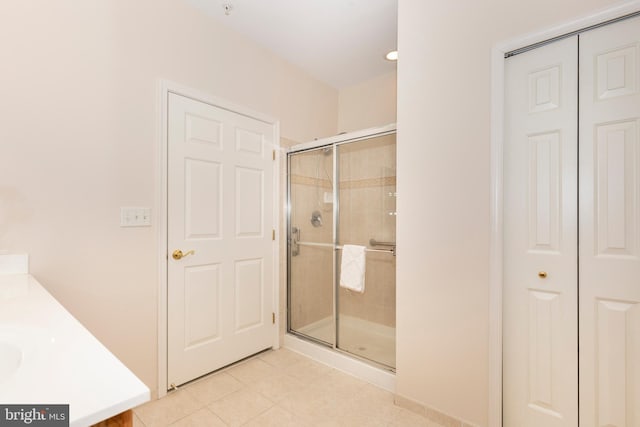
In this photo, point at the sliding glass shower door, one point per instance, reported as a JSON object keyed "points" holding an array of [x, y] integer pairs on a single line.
{"points": [[367, 193], [344, 194]]}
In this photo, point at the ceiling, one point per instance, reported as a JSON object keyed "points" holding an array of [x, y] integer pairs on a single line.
{"points": [[340, 42]]}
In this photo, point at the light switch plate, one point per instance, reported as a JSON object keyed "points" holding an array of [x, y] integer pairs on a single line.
{"points": [[135, 217]]}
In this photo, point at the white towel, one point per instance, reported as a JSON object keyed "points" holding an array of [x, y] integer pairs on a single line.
{"points": [[352, 268]]}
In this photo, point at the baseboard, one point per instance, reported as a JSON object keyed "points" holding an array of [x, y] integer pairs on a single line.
{"points": [[431, 414]]}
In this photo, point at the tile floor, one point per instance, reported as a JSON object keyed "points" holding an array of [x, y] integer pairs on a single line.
{"points": [[277, 388]]}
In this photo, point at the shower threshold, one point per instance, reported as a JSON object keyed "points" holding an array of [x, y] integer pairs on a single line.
{"points": [[380, 377], [366, 350]]}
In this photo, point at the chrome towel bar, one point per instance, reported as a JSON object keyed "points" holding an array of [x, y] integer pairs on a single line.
{"points": [[330, 245]]}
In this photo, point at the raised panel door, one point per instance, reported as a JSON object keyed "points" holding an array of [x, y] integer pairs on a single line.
{"points": [[540, 362], [609, 226], [220, 206]]}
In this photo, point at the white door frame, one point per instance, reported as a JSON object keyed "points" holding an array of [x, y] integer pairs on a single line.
{"points": [[164, 88], [497, 141]]}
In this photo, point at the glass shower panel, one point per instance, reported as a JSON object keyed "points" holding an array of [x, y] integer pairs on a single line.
{"points": [[311, 248], [367, 216]]}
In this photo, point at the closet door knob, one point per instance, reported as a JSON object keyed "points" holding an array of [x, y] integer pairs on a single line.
{"points": [[542, 274]]}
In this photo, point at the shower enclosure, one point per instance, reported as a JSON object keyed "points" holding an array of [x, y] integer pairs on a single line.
{"points": [[342, 190]]}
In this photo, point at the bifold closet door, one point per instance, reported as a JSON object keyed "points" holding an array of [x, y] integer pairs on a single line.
{"points": [[610, 226], [540, 331]]}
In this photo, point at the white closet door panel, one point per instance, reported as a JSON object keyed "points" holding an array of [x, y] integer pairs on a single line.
{"points": [[544, 192], [609, 226], [540, 235]]}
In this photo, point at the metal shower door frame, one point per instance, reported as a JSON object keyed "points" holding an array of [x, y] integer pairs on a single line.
{"points": [[332, 142]]}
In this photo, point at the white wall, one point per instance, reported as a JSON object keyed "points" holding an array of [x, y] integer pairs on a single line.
{"points": [[78, 140], [443, 186], [368, 104]]}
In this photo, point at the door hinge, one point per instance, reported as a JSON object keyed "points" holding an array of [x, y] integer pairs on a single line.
{"points": [[274, 154], [273, 318], [273, 234]]}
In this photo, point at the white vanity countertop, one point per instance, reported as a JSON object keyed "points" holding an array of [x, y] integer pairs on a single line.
{"points": [[62, 363]]}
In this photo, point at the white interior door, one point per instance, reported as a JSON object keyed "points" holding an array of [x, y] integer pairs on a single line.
{"points": [[610, 226], [220, 206], [540, 360]]}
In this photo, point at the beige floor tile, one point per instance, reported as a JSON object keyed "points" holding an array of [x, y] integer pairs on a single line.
{"points": [[137, 422], [374, 402], [277, 387], [239, 407], [352, 421], [331, 398], [307, 371], [403, 417], [282, 358], [439, 418], [339, 384], [303, 403], [277, 417], [318, 403], [167, 410], [214, 387], [252, 370], [380, 404], [201, 418]]}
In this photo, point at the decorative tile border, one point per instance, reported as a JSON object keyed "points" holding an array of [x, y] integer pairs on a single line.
{"points": [[312, 182], [345, 185], [368, 183]]}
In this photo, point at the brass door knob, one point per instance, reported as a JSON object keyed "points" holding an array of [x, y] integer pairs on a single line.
{"points": [[177, 254], [542, 274]]}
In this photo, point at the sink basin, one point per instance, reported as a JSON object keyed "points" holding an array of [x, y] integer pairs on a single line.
{"points": [[24, 350], [10, 360]]}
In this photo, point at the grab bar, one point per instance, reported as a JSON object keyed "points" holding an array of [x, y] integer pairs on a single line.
{"points": [[374, 242], [387, 251], [330, 245]]}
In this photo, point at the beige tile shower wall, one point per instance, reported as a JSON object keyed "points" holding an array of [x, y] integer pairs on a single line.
{"points": [[311, 286], [367, 208], [378, 303]]}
